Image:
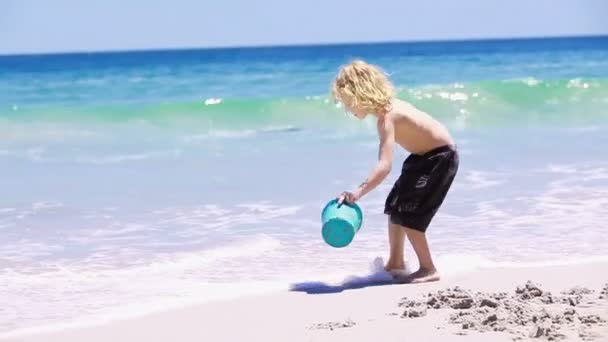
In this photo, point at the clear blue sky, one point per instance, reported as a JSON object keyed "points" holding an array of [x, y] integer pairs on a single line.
{"points": [[87, 25]]}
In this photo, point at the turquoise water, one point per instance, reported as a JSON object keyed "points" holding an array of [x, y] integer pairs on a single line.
{"points": [[139, 181]]}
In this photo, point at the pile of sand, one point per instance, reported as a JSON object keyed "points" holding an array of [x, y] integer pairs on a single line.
{"points": [[332, 325], [604, 293], [528, 312]]}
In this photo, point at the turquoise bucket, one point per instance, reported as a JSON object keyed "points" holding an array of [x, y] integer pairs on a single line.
{"points": [[340, 223]]}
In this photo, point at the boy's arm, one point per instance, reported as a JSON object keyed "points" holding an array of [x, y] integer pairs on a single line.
{"points": [[386, 132]]}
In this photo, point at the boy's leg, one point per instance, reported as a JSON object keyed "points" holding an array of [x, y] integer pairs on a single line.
{"points": [[396, 239], [423, 185], [427, 271]]}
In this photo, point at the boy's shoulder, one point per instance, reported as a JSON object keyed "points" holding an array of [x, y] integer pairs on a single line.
{"points": [[405, 110], [401, 110]]}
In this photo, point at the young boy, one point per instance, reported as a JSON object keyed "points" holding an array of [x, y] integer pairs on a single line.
{"points": [[426, 175]]}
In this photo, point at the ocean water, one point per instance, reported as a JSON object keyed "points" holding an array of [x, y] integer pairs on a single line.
{"points": [[138, 181]]}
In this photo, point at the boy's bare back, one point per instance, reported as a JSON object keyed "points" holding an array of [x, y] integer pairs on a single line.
{"points": [[416, 131]]}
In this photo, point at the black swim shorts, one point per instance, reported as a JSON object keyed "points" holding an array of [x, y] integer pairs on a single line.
{"points": [[420, 190]]}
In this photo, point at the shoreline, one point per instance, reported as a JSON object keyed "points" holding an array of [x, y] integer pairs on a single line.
{"points": [[354, 313]]}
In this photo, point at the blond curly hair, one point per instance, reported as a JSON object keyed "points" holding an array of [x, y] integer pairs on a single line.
{"points": [[364, 86]]}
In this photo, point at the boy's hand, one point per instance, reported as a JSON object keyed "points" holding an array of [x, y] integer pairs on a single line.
{"points": [[349, 197]]}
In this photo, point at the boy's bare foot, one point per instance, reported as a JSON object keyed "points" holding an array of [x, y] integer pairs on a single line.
{"points": [[399, 272], [421, 276], [397, 269]]}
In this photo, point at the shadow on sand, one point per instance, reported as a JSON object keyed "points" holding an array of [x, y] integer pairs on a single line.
{"points": [[377, 277]]}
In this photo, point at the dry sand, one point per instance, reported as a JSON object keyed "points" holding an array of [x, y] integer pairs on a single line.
{"points": [[563, 303]]}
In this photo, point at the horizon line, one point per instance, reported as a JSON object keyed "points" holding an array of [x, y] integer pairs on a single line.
{"points": [[295, 45]]}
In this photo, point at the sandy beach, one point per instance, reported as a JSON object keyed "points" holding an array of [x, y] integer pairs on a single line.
{"points": [[176, 193], [567, 303]]}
